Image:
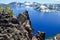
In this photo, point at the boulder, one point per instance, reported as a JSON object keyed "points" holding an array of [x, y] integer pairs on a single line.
{"points": [[57, 37], [39, 36]]}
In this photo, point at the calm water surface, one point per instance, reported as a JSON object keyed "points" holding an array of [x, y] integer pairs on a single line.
{"points": [[46, 22]]}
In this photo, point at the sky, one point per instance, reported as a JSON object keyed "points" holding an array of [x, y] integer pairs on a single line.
{"points": [[39, 1]]}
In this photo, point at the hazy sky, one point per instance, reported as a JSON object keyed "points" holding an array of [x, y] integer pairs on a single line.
{"points": [[39, 1]]}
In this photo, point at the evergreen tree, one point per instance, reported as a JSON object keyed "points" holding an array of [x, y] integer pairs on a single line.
{"points": [[1, 8], [10, 12], [6, 8]]}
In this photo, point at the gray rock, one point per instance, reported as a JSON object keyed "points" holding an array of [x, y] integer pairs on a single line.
{"points": [[17, 28], [57, 37], [39, 36]]}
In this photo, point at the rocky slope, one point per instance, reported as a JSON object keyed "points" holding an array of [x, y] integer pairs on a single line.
{"points": [[18, 28]]}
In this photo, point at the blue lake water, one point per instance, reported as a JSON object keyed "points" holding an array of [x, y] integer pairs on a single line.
{"points": [[46, 22]]}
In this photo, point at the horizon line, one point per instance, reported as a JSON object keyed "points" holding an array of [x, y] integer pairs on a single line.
{"points": [[30, 2]]}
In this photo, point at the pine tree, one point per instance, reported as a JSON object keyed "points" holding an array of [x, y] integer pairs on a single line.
{"points": [[10, 12], [1, 9], [6, 8]]}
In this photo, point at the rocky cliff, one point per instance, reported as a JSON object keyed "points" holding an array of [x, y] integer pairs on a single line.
{"points": [[18, 28]]}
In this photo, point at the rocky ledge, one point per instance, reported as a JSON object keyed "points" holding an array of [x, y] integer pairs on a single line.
{"points": [[55, 37], [18, 28]]}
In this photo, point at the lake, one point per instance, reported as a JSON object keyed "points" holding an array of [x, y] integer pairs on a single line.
{"points": [[48, 22]]}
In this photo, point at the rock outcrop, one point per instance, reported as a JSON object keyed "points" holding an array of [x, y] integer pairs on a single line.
{"points": [[18, 28], [39, 36], [55, 37]]}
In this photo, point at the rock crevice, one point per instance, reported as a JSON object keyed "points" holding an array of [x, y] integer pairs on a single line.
{"points": [[18, 28]]}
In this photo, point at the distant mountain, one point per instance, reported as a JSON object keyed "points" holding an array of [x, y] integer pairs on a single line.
{"points": [[13, 4], [3, 5], [34, 4]]}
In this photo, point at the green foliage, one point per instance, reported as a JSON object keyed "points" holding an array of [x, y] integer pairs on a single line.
{"points": [[6, 8], [10, 12], [1, 8]]}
